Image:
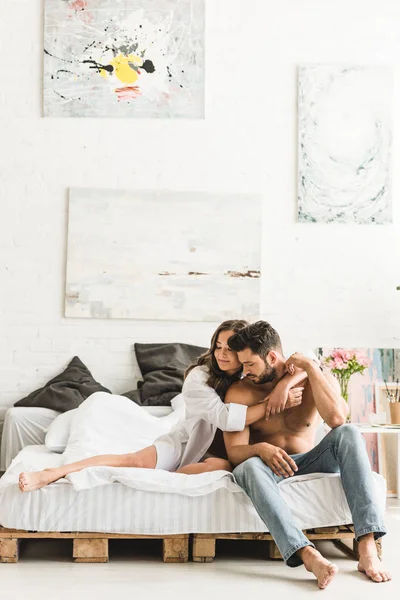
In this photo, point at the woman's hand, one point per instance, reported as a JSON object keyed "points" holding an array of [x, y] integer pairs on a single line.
{"points": [[295, 397], [280, 399], [299, 361]]}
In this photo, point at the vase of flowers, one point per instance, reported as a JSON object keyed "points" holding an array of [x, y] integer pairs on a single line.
{"points": [[343, 364]]}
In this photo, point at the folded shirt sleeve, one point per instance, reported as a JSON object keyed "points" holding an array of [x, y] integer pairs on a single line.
{"points": [[203, 402]]}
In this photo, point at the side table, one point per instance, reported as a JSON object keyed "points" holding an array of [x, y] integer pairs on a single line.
{"points": [[382, 432]]}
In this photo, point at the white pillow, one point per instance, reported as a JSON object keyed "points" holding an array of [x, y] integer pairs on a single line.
{"points": [[58, 432]]}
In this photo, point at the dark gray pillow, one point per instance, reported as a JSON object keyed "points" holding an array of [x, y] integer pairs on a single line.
{"points": [[162, 367], [66, 391]]}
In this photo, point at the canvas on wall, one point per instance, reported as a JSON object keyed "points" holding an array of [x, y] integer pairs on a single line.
{"points": [[363, 400], [344, 144], [176, 256], [124, 58]]}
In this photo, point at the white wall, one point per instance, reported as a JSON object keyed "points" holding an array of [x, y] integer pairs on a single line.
{"points": [[333, 285]]}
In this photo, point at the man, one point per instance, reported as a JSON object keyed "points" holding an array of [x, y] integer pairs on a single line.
{"points": [[272, 449]]}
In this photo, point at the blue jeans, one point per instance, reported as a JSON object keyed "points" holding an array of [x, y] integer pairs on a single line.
{"points": [[342, 450]]}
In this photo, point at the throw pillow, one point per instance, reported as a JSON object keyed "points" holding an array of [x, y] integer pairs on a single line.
{"points": [[162, 367], [66, 391]]}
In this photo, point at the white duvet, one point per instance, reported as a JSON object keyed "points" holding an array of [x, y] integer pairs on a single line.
{"points": [[111, 424]]}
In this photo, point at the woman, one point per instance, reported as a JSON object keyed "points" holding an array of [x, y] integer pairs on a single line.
{"points": [[184, 449]]}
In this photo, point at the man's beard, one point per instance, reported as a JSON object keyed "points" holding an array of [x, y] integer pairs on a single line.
{"points": [[269, 375]]}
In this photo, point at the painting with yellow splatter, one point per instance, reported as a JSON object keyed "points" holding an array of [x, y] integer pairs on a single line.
{"points": [[124, 58]]}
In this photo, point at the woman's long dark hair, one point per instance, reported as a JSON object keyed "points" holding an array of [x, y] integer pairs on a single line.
{"points": [[219, 380]]}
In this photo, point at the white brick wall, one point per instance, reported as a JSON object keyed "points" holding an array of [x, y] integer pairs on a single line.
{"points": [[322, 284]]}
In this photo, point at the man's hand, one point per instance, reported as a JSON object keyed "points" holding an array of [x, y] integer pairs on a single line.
{"points": [[300, 361], [281, 399], [277, 460]]}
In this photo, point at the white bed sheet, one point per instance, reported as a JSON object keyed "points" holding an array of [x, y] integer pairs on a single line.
{"points": [[316, 501]]}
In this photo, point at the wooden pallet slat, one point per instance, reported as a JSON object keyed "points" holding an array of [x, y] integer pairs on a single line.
{"points": [[9, 550], [378, 544], [273, 551], [341, 535], [349, 551], [203, 549], [91, 547], [25, 534], [90, 550], [204, 543], [234, 536], [176, 550]]}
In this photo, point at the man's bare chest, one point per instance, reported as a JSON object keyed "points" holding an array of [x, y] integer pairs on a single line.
{"points": [[264, 428], [300, 420]]}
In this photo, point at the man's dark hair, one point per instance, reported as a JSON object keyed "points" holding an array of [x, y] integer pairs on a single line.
{"points": [[260, 337]]}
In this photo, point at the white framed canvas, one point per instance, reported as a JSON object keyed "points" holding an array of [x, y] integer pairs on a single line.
{"points": [[124, 58], [344, 144], [176, 256]]}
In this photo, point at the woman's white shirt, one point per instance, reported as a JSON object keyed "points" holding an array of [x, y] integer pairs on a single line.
{"points": [[205, 413], [202, 401]]}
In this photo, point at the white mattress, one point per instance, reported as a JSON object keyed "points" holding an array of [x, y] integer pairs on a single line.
{"points": [[316, 500]]}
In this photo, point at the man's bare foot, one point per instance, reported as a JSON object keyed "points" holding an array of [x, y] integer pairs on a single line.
{"points": [[369, 562], [315, 563], [374, 569], [36, 480]]}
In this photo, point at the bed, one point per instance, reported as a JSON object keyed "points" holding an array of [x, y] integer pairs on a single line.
{"points": [[100, 503]]}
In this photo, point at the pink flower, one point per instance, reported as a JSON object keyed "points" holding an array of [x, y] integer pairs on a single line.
{"points": [[342, 354], [337, 354], [362, 359], [339, 364]]}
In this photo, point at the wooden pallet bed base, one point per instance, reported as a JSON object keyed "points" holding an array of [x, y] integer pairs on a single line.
{"points": [[204, 543], [91, 547]]}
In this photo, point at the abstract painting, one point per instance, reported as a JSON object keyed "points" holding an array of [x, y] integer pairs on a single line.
{"points": [[124, 58], [176, 256], [363, 400], [344, 138]]}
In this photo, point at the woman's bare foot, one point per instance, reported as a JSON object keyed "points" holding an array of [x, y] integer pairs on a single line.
{"points": [[369, 562], [36, 480], [315, 563]]}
